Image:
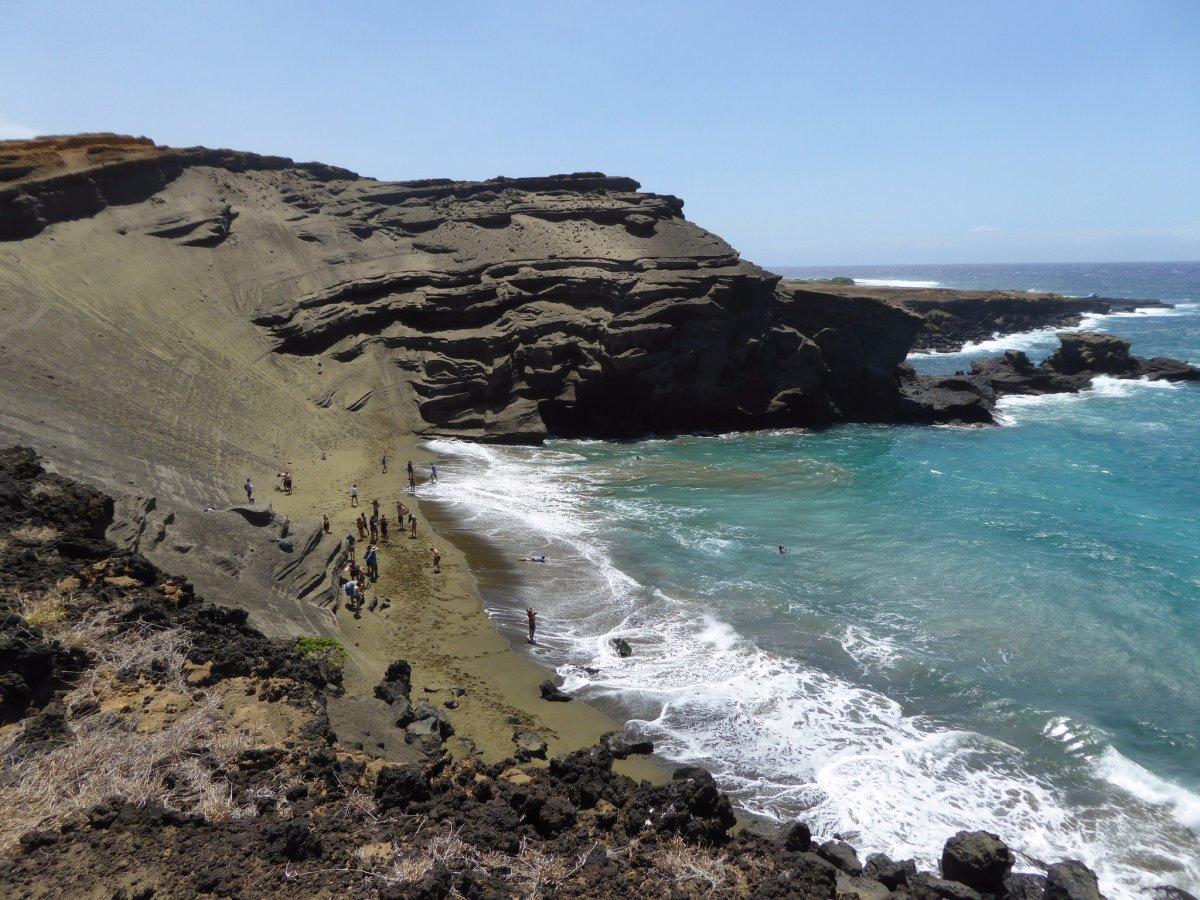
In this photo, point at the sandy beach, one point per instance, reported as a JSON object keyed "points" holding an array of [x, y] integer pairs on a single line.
{"points": [[435, 621]]}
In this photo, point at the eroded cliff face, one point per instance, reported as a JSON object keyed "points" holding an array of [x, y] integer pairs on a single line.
{"points": [[501, 310]]}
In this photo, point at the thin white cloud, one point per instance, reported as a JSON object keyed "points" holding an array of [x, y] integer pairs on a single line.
{"points": [[985, 229], [10, 131]]}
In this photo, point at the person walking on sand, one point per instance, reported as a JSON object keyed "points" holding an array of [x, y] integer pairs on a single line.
{"points": [[361, 522], [325, 525], [372, 560], [531, 615], [354, 495], [437, 560], [383, 527], [384, 464], [248, 487], [433, 472]]}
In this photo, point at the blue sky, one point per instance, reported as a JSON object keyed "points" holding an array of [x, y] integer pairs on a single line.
{"points": [[804, 133]]}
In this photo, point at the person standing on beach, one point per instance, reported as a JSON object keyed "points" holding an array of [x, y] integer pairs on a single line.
{"points": [[383, 528], [412, 484], [401, 512], [354, 495], [374, 529], [410, 469], [385, 464], [350, 545], [531, 614], [433, 472], [412, 523], [437, 560], [361, 522], [325, 524], [372, 560], [248, 487]]}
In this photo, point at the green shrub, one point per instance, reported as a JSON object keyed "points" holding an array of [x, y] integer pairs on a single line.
{"points": [[323, 648]]}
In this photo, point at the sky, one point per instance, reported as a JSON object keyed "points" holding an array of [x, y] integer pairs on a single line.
{"points": [[802, 133]]}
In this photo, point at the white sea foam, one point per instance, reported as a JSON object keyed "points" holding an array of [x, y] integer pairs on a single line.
{"points": [[1015, 409], [1146, 786], [787, 739]]}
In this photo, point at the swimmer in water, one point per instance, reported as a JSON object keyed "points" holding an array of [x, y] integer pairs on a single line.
{"points": [[782, 550], [536, 559]]}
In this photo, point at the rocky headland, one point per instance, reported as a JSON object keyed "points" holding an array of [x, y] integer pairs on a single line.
{"points": [[954, 318]]}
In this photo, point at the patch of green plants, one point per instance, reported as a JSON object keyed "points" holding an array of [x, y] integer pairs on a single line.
{"points": [[322, 648]]}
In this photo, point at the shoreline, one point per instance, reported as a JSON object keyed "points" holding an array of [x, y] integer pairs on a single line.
{"points": [[438, 623]]}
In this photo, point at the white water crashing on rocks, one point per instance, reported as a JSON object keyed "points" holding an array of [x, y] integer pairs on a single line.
{"points": [[1046, 339], [788, 740]]}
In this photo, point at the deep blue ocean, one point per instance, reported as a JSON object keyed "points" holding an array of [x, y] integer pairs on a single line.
{"points": [[970, 628]]}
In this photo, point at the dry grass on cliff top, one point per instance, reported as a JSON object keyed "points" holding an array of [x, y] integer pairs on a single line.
{"points": [[137, 730]]}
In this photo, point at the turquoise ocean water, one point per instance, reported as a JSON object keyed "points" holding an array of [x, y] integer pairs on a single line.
{"points": [[994, 628]]}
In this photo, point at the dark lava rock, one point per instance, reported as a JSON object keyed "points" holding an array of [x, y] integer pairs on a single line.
{"points": [[857, 887], [940, 399], [437, 720], [622, 647], [396, 683], [1024, 886], [1071, 880], [978, 859], [1080, 357], [798, 837], [398, 786], [841, 855], [622, 747], [550, 691], [291, 842], [927, 887], [888, 871], [529, 745]]}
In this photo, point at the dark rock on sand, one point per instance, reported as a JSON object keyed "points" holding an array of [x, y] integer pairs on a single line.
{"points": [[978, 859], [551, 691], [622, 747], [530, 745], [1071, 880]]}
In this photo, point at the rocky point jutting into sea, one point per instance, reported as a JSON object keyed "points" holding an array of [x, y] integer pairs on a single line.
{"points": [[177, 321]]}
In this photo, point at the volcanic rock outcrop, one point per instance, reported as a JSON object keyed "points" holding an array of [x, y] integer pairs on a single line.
{"points": [[952, 318], [500, 310], [1081, 356]]}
